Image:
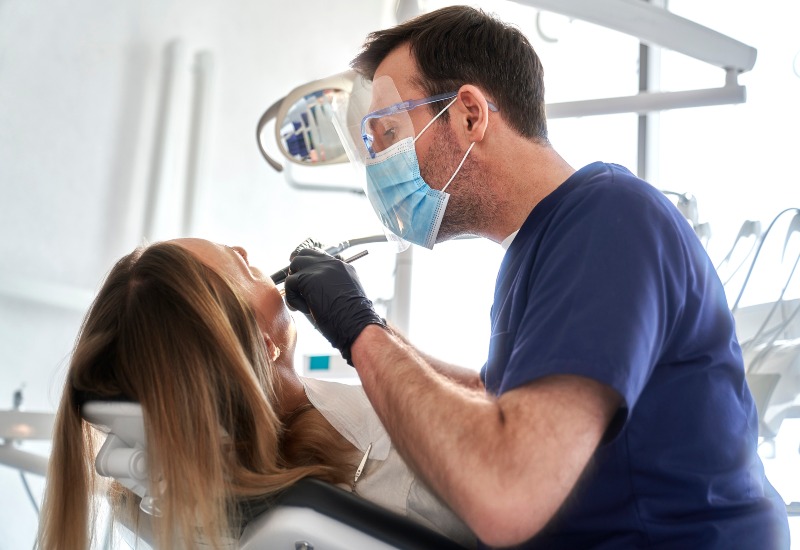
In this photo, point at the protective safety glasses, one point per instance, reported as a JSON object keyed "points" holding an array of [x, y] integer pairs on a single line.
{"points": [[379, 129]]}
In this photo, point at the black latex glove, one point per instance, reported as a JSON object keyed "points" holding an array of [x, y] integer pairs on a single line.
{"points": [[308, 243], [328, 290], [279, 276]]}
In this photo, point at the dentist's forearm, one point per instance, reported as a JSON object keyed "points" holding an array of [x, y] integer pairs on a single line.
{"points": [[453, 437], [421, 408], [505, 465]]}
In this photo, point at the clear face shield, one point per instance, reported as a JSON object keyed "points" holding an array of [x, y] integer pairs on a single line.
{"points": [[349, 112], [375, 127], [371, 118]]}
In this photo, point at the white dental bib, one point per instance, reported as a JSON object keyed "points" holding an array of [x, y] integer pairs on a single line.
{"points": [[386, 480]]}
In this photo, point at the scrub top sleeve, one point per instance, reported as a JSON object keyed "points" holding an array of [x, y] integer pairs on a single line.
{"points": [[599, 291]]}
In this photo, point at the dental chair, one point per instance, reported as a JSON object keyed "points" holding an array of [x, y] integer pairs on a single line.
{"points": [[310, 515]]}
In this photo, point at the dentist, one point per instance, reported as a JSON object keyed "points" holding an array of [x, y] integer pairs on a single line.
{"points": [[612, 410]]}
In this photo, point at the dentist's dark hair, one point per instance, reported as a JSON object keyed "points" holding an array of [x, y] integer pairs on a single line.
{"points": [[460, 45]]}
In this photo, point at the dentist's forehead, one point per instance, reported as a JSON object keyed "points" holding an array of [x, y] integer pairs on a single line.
{"points": [[400, 66]]}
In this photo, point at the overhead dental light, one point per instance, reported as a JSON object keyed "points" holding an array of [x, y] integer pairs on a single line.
{"points": [[305, 136]]}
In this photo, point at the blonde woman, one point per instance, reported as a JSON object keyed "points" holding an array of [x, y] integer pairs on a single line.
{"points": [[204, 342]]}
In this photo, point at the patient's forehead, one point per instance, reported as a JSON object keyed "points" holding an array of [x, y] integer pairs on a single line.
{"points": [[212, 254], [198, 247], [229, 263]]}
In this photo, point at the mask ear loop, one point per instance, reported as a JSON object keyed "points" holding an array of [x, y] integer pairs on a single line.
{"points": [[460, 164], [471, 145], [434, 118]]}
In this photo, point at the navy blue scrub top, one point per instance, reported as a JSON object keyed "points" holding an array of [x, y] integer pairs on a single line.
{"points": [[607, 280]]}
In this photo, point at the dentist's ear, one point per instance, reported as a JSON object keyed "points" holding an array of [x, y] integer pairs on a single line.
{"points": [[272, 349], [474, 112]]}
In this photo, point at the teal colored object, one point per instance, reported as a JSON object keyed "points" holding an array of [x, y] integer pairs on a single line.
{"points": [[319, 362]]}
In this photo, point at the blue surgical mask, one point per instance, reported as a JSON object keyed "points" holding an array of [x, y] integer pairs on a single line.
{"points": [[403, 201]]}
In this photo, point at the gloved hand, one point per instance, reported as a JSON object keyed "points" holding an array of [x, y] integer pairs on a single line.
{"points": [[329, 291], [308, 243]]}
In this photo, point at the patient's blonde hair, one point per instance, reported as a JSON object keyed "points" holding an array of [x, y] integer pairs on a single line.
{"points": [[170, 333]]}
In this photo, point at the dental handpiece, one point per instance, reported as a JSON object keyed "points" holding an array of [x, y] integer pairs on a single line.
{"points": [[279, 276]]}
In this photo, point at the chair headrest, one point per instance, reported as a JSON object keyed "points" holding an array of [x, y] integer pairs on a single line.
{"points": [[122, 456], [122, 418]]}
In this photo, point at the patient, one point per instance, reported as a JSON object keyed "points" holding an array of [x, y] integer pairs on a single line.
{"points": [[204, 342]]}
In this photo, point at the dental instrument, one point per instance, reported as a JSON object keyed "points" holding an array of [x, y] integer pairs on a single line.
{"points": [[280, 275], [285, 270]]}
